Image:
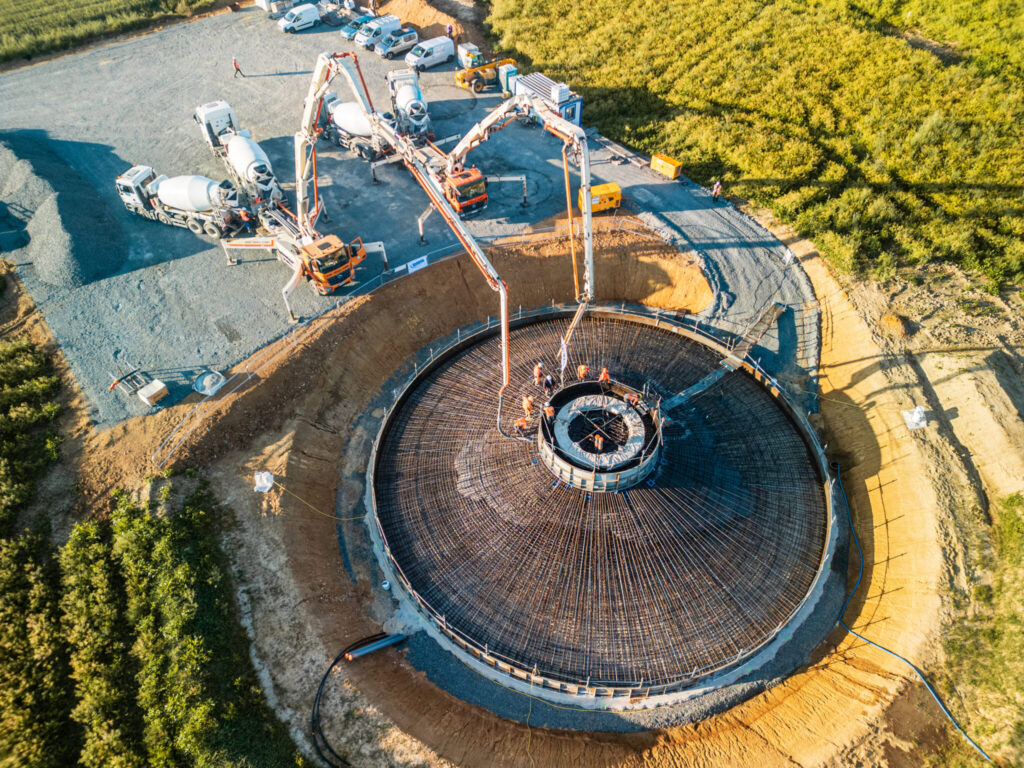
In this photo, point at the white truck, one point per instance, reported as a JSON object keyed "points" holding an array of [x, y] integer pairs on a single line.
{"points": [[345, 124], [410, 106], [195, 202], [372, 32], [244, 159]]}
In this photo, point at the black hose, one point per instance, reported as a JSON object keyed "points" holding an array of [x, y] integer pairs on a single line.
{"points": [[320, 743], [856, 586]]}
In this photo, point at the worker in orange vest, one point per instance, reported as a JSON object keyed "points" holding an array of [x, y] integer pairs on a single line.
{"points": [[604, 378], [521, 425], [528, 405], [632, 398], [598, 443], [549, 412], [537, 370], [582, 371]]}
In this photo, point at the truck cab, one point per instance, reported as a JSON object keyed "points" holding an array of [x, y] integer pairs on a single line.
{"points": [[132, 187], [466, 191], [396, 42], [329, 263], [217, 119]]}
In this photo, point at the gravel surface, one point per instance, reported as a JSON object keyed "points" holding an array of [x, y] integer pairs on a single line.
{"points": [[117, 289]]}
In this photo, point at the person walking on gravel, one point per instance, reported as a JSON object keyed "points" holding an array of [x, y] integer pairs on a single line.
{"points": [[238, 69], [716, 190]]}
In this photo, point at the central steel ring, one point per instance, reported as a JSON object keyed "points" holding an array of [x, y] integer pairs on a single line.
{"points": [[606, 405], [603, 437]]}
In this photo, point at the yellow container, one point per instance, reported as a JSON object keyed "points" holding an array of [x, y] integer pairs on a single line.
{"points": [[666, 166], [602, 197]]}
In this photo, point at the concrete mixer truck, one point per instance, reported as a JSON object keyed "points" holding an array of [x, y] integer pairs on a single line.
{"points": [[244, 159], [200, 204], [407, 99], [345, 124]]}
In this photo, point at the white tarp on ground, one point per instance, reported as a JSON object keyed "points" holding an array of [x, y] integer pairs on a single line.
{"points": [[915, 418]]}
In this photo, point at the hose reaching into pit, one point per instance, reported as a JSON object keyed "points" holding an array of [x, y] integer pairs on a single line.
{"points": [[856, 586]]}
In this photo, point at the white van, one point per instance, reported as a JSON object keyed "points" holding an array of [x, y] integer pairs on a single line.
{"points": [[300, 17], [372, 32], [431, 52]]}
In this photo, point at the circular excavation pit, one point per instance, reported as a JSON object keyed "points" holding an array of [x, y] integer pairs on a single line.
{"points": [[660, 563]]}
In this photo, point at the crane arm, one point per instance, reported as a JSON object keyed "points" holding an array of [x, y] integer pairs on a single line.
{"points": [[571, 134], [328, 66]]}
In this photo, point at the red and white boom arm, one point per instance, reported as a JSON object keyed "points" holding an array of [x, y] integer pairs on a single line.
{"points": [[573, 137], [328, 66]]}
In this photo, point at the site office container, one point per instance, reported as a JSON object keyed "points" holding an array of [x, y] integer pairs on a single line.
{"points": [[666, 166], [603, 197]]}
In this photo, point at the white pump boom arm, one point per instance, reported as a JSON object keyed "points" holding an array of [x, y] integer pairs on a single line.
{"points": [[328, 66], [570, 133]]}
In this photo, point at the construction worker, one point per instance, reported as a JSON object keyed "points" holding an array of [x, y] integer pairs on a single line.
{"points": [[716, 190], [449, 31], [238, 69], [521, 425], [528, 405], [582, 371], [598, 443], [604, 378], [549, 412], [633, 399], [246, 219], [537, 370], [549, 384]]}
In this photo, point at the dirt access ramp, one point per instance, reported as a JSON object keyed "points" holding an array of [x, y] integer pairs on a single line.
{"points": [[809, 719]]}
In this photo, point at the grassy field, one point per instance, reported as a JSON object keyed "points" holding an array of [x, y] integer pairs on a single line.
{"points": [[984, 673], [31, 27], [888, 149]]}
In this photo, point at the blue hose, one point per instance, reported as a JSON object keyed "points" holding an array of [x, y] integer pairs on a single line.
{"points": [[860, 575]]}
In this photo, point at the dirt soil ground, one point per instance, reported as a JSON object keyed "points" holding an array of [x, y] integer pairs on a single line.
{"points": [[917, 498], [302, 421]]}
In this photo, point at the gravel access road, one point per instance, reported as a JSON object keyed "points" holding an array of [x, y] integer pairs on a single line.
{"points": [[119, 290]]}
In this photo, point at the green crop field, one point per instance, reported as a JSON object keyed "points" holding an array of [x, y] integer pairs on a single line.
{"points": [[32, 27], [889, 132]]}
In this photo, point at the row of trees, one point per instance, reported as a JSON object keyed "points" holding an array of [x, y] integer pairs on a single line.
{"points": [[122, 647]]}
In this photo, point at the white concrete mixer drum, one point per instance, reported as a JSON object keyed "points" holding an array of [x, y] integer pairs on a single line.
{"points": [[190, 193], [349, 116], [248, 159]]}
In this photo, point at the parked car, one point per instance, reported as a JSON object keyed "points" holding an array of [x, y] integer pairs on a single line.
{"points": [[430, 53], [396, 43], [349, 30]]}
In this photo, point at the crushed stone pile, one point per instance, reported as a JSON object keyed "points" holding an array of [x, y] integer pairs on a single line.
{"points": [[65, 233]]}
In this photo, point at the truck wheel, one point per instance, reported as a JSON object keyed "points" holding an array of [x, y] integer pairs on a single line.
{"points": [[163, 218], [213, 230], [195, 226], [389, 55], [335, 138], [478, 86], [449, 59]]}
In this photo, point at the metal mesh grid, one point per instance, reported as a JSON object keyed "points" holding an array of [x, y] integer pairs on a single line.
{"points": [[647, 586]]}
